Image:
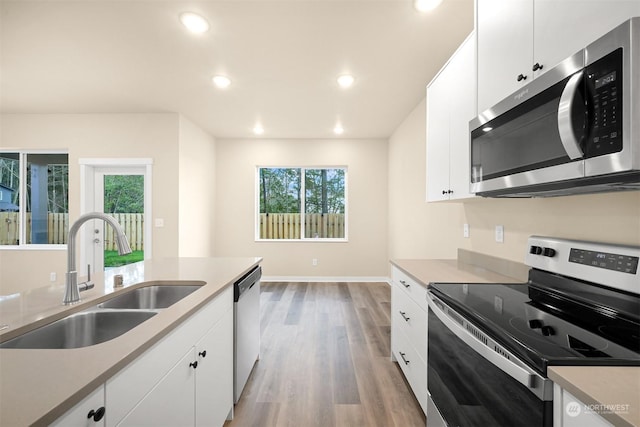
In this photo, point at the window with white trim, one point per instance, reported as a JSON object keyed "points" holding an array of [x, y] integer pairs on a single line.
{"points": [[301, 203], [34, 198]]}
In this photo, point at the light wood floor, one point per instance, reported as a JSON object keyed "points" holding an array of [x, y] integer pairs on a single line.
{"points": [[325, 361]]}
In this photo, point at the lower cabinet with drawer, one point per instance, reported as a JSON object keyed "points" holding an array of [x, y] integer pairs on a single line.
{"points": [[409, 331]]}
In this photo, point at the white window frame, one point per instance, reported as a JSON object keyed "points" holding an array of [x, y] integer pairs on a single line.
{"points": [[302, 207], [22, 208]]}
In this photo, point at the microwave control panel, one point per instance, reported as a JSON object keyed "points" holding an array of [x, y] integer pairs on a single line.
{"points": [[604, 89]]}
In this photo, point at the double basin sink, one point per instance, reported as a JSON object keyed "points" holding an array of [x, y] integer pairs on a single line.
{"points": [[104, 321]]}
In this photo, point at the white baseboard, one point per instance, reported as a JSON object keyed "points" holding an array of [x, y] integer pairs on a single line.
{"points": [[325, 279]]}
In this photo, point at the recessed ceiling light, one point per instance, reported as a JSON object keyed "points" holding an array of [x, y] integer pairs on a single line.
{"points": [[346, 80], [258, 129], [222, 82], [426, 5], [487, 129], [338, 130], [194, 22]]}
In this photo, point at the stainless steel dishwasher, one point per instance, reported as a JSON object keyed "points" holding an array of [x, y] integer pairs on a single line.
{"points": [[246, 328]]}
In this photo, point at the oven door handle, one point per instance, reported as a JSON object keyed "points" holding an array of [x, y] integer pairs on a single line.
{"points": [[524, 376], [565, 123]]}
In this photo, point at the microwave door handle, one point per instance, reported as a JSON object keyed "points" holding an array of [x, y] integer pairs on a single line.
{"points": [[523, 376], [565, 124]]}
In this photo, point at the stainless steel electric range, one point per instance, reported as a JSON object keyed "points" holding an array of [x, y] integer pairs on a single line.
{"points": [[490, 344]]}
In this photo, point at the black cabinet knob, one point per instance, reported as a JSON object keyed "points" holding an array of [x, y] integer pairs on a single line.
{"points": [[537, 66], [194, 365], [547, 330], [444, 191], [522, 77], [535, 250], [203, 353], [535, 323], [97, 415], [549, 252]]}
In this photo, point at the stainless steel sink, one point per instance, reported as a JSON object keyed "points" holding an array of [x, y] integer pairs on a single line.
{"points": [[80, 329], [150, 297]]}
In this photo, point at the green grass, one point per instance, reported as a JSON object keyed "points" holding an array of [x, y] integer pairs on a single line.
{"points": [[112, 259]]}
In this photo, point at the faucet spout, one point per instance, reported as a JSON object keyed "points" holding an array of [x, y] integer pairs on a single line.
{"points": [[72, 293]]}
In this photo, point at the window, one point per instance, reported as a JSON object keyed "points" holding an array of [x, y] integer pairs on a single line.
{"points": [[301, 203], [34, 199]]}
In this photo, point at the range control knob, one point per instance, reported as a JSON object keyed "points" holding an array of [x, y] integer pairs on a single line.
{"points": [[535, 324], [549, 252], [547, 330], [535, 250]]}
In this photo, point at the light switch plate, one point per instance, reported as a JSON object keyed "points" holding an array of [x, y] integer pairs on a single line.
{"points": [[465, 230], [499, 234]]}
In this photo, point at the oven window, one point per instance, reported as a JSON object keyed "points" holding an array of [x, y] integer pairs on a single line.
{"points": [[524, 138], [470, 391]]}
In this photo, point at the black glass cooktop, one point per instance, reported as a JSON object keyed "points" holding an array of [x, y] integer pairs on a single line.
{"points": [[552, 320]]}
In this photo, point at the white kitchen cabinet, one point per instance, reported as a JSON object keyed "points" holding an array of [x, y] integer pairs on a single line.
{"points": [[214, 376], [451, 104], [90, 412], [166, 373], [409, 331], [569, 411], [513, 36], [170, 402], [504, 31]]}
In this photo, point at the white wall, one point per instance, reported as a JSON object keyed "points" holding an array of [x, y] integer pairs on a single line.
{"points": [[364, 255], [434, 230], [196, 190], [94, 135]]}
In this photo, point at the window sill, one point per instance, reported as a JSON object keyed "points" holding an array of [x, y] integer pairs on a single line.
{"points": [[33, 248], [303, 240]]}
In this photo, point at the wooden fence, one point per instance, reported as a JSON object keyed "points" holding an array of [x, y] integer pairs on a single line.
{"points": [[58, 229], [288, 226]]}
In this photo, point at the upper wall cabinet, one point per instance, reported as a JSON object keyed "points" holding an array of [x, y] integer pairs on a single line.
{"points": [[518, 40], [451, 102]]}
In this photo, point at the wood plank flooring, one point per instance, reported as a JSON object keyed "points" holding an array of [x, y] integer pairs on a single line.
{"points": [[325, 360]]}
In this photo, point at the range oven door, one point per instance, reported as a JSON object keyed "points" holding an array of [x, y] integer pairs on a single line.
{"points": [[473, 381]]}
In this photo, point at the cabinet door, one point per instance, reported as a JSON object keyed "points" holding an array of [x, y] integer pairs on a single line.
{"points": [[505, 48], [462, 110], [214, 376], [438, 138], [561, 28], [171, 401], [78, 416]]}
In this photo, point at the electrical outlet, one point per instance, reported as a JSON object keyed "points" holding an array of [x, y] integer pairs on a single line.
{"points": [[314, 261], [465, 230], [52, 276], [499, 234]]}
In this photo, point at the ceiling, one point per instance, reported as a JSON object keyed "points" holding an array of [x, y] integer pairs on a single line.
{"points": [[125, 56]]}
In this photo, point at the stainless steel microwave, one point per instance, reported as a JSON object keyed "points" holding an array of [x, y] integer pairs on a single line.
{"points": [[573, 130]]}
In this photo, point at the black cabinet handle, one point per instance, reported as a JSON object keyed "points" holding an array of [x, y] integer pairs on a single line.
{"points": [[194, 364], [406, 362], [402, 313], [522, 77], [96, 415], [404, 283], [537, 66], [450, 191], [203, 353]]}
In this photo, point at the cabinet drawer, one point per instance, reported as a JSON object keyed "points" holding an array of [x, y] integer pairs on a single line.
{"points": [[125, 389], [410, 319], [416, 290], [413, 367]]}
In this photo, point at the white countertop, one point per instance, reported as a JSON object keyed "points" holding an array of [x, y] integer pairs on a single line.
{"points": [[38, 386]]}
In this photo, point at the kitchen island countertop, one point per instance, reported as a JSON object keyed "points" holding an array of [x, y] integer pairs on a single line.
{"points": [[39, 386]]}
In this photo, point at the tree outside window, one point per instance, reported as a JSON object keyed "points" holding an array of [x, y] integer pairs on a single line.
{"points": [[302, 203]]}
